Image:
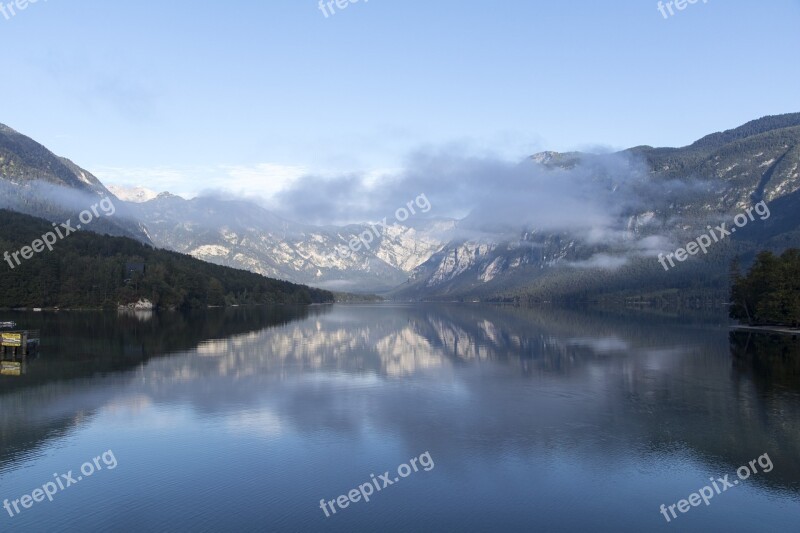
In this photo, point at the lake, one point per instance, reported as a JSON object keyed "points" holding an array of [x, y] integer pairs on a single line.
{"points": [[454, 418]]}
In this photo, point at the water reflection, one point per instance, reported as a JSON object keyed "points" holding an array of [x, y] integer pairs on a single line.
{"points": [[472, 383], [770, 360], [84, 355]]}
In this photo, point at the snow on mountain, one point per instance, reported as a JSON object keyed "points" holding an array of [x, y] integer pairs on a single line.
{"points": [[135, 195], [679, 194], [244, 235]]}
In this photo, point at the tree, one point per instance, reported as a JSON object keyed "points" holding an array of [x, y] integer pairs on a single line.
{"points": [[770, 293]]}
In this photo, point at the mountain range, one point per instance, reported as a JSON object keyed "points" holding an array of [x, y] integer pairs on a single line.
{"points": [[657, 200], [35, 181], [669, 197], [244, 235]]}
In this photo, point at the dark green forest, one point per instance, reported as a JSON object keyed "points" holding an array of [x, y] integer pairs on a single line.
{"points": [[770, 292], [87, 270]]}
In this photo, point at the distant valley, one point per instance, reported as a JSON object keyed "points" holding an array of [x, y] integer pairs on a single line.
{"points": [[663, 197]]}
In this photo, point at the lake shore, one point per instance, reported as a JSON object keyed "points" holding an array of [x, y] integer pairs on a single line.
{"points": [[768, 329]]}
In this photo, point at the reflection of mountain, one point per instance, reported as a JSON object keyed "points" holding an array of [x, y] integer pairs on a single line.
{"points": [[52, 397], [468, 379], [656, 384], [119, 342]]}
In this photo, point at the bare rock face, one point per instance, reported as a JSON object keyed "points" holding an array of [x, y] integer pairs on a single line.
{"points": [[142, 305]]}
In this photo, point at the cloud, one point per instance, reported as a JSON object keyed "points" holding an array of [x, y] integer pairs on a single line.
{"points": [[102, 85], [254, 182], [604, 201], [264, 179], [610, 204], [159, 179], [491, 194], [604, 261]]}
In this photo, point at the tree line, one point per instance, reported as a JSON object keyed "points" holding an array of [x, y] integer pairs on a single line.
{"points": [[87, 270], [770, 292]]}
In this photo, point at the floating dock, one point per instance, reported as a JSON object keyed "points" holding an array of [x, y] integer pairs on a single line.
{"points": [[14, 348]]}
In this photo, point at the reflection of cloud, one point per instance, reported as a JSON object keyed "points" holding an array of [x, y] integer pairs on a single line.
{"points": [[349, 372], [475, 381], [263, 422], [603, 345], [134, 404]]}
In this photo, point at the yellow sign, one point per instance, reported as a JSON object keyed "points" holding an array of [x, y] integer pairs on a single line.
{"points": [[9, 368], [13, 340]]}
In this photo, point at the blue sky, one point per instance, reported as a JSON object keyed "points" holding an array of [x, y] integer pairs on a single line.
{"points": [[248, 95]]}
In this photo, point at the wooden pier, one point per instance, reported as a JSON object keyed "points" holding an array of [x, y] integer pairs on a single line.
{"points": [[14, 349]]}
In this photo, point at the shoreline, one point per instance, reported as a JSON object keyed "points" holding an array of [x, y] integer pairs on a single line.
{"points": [[768, 329]]}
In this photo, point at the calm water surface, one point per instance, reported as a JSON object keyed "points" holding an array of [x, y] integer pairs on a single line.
{"points": [[534, 420]]}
